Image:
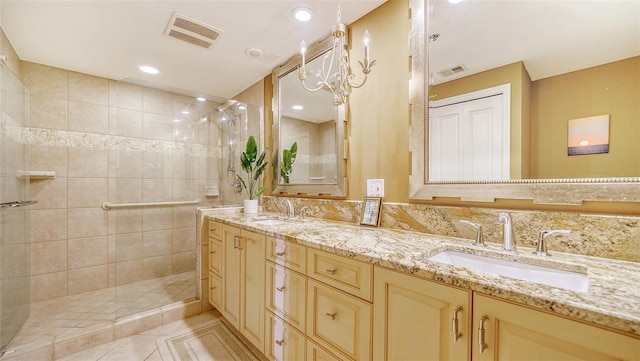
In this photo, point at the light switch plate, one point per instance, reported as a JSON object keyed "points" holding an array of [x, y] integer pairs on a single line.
{"points": [[375, 187]]}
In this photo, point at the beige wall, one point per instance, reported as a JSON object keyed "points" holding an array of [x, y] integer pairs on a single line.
{"points": [[612, 89]]}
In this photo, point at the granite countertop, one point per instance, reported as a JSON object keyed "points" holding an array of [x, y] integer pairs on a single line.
{"points": [[612, 300]]}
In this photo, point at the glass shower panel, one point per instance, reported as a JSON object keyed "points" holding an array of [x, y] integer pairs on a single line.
{"points": [[161, 157], [14, 220]]}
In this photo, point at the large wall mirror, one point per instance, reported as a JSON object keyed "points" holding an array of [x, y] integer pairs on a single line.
{"points": [[525, 100], [311, 122]]}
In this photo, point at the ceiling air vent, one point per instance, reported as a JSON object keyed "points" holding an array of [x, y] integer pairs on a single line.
{"points": [[451, 71], [192, 31]]}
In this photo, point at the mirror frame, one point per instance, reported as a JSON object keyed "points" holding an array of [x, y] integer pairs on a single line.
{"points": [[569, 191], [325, 190]]}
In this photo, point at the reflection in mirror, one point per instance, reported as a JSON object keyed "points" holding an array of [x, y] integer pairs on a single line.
{"points": [[584, 62], [311, 122]]}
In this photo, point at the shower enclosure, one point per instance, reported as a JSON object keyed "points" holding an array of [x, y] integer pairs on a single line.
{"points": [[14, 210]]}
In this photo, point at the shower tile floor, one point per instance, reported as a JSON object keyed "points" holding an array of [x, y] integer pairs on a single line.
{"points": [[74, 315]]}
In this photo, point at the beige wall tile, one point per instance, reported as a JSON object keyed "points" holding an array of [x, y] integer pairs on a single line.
{"points": [[88, 117], [125, 221], [123, 164], [87, 222], [157, 165], [111, 249], [48, 225], [14, 235], [89, 163], [48, 286], [88, 88], [186, 190], [125, 95], [128, 272], [156, 243], [125, 122], [184, 216], [87, 279], [48, 257], [157, 190], [50, 193], [156, 218], [123, 190], [186, 166], [44, 81], [87, 192], [50, 158], [157, 126], [86, 252], [159, 266], [46, 112], [15, 261], [111, 274], [184, 261], [184, 239], [128, 246], [157, 102]]}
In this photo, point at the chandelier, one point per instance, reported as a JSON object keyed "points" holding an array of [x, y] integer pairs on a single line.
{"points": [[342, 80]]}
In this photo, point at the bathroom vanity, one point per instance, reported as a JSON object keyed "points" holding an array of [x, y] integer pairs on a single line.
{"points": [[321, 290]]}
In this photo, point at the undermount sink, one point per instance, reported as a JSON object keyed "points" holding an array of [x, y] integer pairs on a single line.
{"points": [[573, 281], [269, 222]]}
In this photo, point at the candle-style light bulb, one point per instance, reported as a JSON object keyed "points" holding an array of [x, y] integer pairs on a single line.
{"points": [[303, 50], [366, 39]]}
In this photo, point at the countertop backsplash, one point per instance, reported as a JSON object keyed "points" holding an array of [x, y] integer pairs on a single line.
{"points": [[614, 237]]}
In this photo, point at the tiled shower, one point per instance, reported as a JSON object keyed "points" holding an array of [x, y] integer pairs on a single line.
{"points": [[92, 140]]}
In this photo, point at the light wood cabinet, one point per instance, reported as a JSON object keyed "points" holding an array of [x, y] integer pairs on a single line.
{"points": [[243, 282], [317, 353], [215, 256], [288, 254], [514, 332], [282, 341], [286, 294], [344, 273], [339, 321], [416, 319], [215, 290]]}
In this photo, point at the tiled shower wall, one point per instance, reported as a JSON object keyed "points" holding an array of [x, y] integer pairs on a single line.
{"points": [[116, 142]]}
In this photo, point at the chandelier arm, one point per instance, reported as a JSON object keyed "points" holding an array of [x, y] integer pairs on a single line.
{"points": [[322, 84]]}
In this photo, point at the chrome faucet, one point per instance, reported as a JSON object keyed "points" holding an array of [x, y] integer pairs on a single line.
{"points": [[479, 241], [541, 250], [289, 211], [508, 237], [302, 212]]}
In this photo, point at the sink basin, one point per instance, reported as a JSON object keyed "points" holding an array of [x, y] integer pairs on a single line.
{"points": [[573, 281], [269, 222]]}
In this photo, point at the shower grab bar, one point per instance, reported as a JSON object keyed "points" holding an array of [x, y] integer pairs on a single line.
{"points": [[109, 205], [17, 204]]}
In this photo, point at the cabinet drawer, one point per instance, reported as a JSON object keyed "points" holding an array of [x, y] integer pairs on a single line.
{"points": [[343, 273], [317, 353], [288, 254], [215, 229], [339, 321], [215, 256], [282, 341], [287, 294], [215, 290]]}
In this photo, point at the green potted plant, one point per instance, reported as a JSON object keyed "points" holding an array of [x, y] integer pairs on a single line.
{"points": [[288, 158], [254, 166]]}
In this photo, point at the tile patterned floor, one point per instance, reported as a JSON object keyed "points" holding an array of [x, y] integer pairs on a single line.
{"points": [[142, 346], [72, 315]]}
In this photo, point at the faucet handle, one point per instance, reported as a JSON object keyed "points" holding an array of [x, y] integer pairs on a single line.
{"points": [[302, 211], [541, 249], [479, 241]]}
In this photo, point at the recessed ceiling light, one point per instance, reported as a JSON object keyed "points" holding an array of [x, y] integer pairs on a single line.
{"points": [[149, 69], [201, 99], [253, 53], [185, 112], [302, 14], [297, 107]]}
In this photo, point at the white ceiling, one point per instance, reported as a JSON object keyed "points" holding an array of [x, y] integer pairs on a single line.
{"points": [[111, 38], [551, 37]]}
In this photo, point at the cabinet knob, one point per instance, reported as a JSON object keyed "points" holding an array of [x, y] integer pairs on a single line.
{"points": [[331, 271], [280, 289], [331, 315], [280, 254], [279, 342]]}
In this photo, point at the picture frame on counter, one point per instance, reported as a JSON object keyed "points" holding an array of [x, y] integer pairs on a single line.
{"points": [[371, 210]]}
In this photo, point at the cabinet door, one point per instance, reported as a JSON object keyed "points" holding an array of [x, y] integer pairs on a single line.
{"points": [[415, 319], [513, 332], [252, 251], [282, 341], [215, 290], [339, 321], [215, 256], [286, 294], [231, 275]]}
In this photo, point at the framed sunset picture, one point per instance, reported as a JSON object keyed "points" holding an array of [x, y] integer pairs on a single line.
{"points": [[588, 135]]}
